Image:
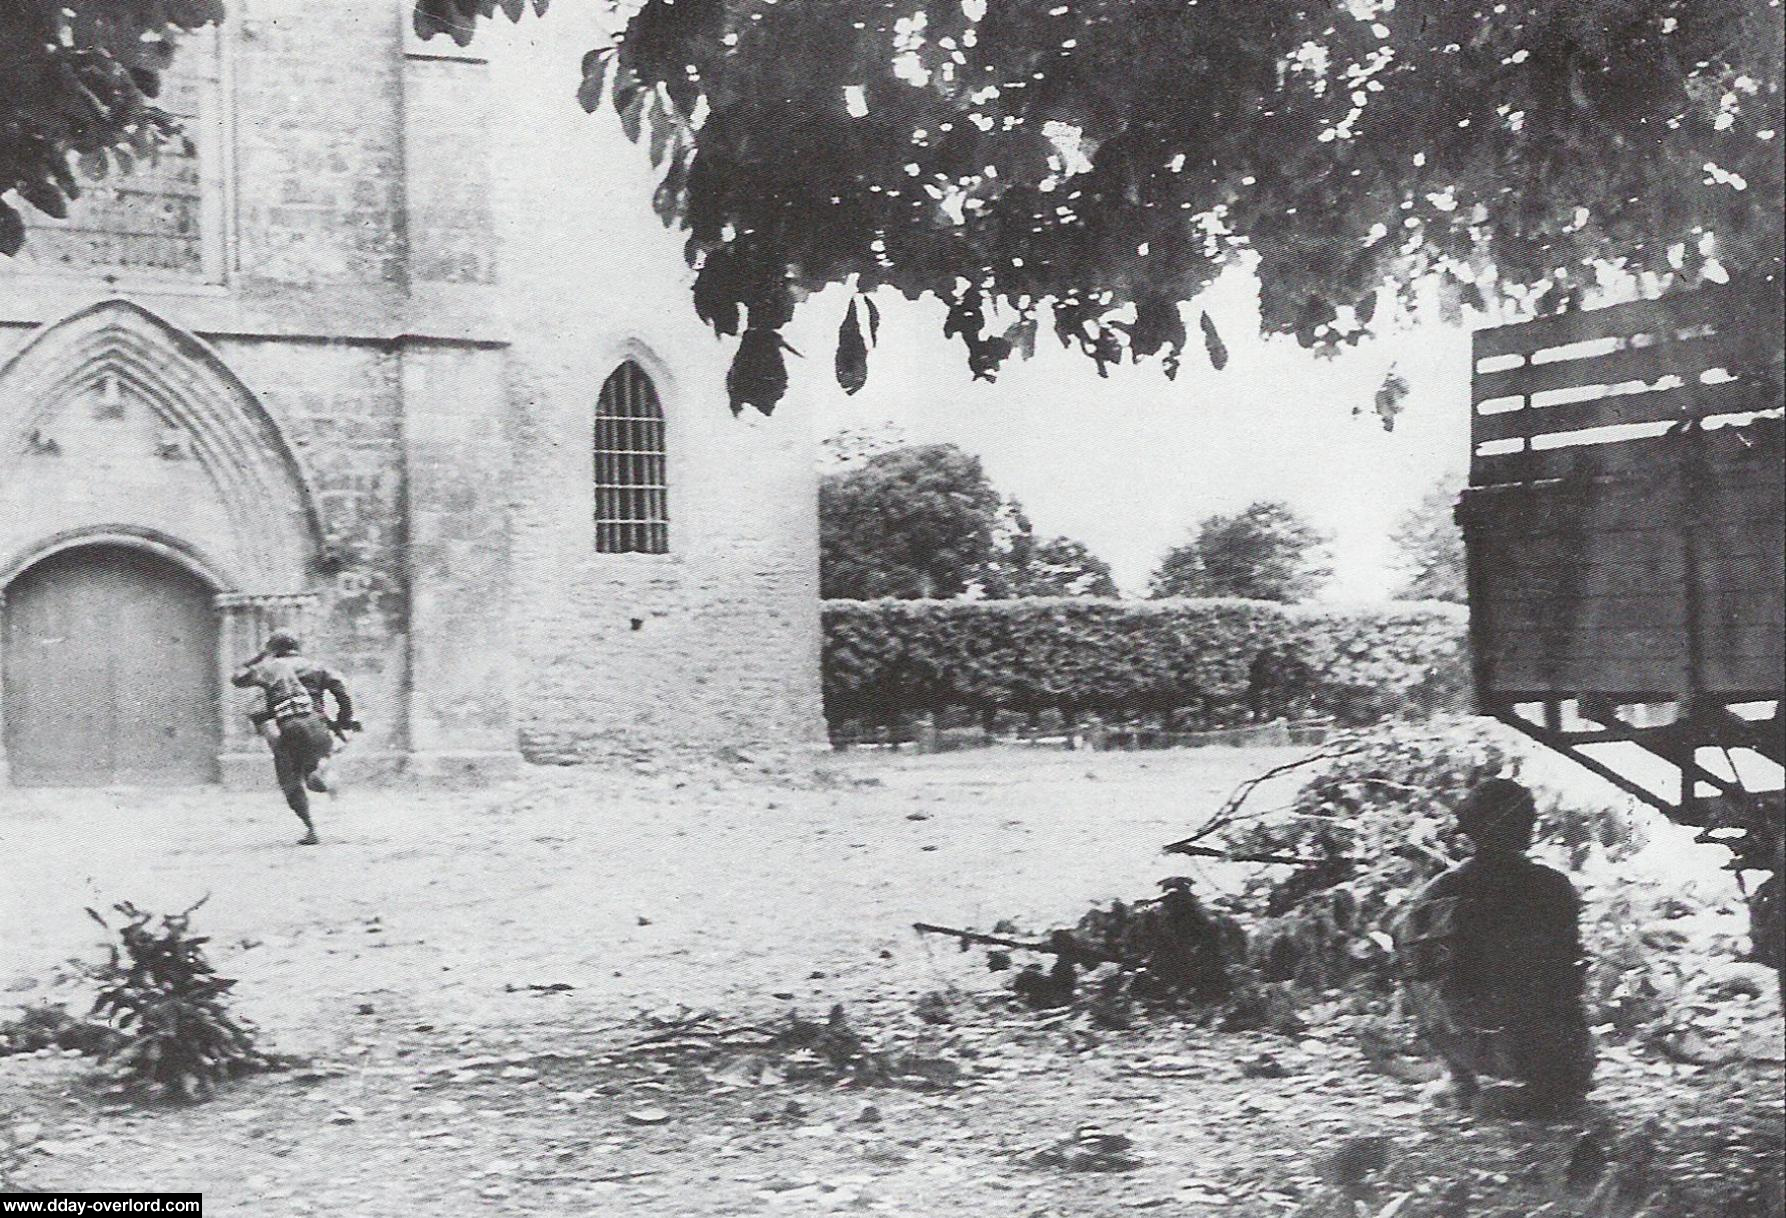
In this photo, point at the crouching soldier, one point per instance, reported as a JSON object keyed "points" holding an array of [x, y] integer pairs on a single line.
{"points": [[1491, 960], [293, 721]]}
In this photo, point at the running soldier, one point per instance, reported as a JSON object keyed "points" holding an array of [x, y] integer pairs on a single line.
{"points": [[293, 721], [1490, 955]]}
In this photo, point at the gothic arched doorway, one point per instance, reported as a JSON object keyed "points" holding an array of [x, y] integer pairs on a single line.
{"points": [[110, 671]]}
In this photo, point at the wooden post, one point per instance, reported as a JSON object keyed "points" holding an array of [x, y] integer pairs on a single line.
{"points": [[1096, 735], [925, 730]]}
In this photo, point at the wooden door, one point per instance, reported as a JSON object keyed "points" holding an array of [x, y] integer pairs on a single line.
{"points": [[110, 672]]}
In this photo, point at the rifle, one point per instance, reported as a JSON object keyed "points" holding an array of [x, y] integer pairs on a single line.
{"points": [[1058, 944], [1188, 847]]}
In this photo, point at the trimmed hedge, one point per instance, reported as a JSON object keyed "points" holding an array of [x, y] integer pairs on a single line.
{"points": [[1212, 663]]}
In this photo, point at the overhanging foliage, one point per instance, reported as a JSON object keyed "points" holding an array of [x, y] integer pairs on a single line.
{"points": [[1093, 166]]}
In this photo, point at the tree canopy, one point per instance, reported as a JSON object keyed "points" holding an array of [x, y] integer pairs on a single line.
{"points": [[1097, 164], [1093, 166], [1054, 566], [1266, 552], [910, 522], [925, 521], [1431, 546]]}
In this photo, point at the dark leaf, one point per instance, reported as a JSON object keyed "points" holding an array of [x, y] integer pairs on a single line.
{"points": [[1022, 337], [632, 115], [967, 317], [1390, 395], [1106, 349], [852, 352], [1366, 309], [595, 74], [12, 239], [758, 376], [771, 305], [663, 127], [717, 292], [666, 201], [44, 197], [874, 320], [985, 356], [627, 87], [1158, 327], [1212, 342]]}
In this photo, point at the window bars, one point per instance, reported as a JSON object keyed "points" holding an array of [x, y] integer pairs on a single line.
{"points": [[632, 513]]}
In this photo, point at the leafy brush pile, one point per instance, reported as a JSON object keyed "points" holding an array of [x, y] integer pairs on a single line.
{"points": [[833, 1051], [1170, 952], [1366, 832], [177, 1035], [1666, 973], [47, 1026], [792, 1049]]}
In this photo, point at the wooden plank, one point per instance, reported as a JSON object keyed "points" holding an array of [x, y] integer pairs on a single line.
{"points": [[1750, 541], [1754, 476], [1560, 661], [1726, 567], [1651, 678], [1738, 637], [1729, 534], [1590, 503], [1537, 615], [1677, 312], [1539, 581], [1685, 358], [1748, 677], [1612, 547], [1562, 642], [1534, 602], [1727, 584], [1691, 401], [1731, 450], [1613, 641]]}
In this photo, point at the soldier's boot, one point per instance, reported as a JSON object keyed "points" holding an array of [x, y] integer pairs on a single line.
{"points": [[1531, 1103], [299, 801]]}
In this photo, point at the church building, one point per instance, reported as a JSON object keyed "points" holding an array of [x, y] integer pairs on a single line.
{"points": [[393, 353]]}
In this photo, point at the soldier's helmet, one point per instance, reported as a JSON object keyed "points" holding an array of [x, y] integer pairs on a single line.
{"points": [[283, 643], [1498, 814]]}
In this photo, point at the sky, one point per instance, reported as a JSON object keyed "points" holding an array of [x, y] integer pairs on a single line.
{"points": [[1130, 464]]}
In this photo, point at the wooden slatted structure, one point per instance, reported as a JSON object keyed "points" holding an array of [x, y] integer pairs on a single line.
{"points": [[1625, 526]]}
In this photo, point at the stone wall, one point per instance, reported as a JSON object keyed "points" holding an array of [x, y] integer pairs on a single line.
{"points": [[340, 408], [714, 644], [423, 296]]}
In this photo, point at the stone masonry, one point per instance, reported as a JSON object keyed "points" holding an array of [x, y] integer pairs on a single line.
{"points": [[366, 411]]}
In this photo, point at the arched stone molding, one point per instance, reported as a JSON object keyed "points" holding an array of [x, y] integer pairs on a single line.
{"points": [[176, 551], [117, 349], [638, 351], [231, 504]]}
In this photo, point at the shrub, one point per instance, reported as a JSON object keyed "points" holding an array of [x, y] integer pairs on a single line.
{"points": [[179, 1038], [1223, 661]]}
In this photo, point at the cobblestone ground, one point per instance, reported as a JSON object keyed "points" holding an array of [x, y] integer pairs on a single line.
{"points": [[421, 958]]}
